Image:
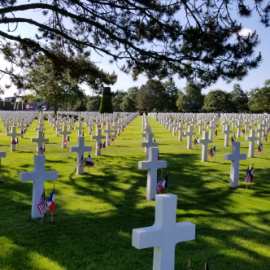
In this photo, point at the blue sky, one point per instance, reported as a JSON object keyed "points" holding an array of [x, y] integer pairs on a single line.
{"points": [[254, 78]]}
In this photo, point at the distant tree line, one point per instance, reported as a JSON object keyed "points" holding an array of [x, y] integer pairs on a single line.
{"points": [[166, 97], [156, 96]]}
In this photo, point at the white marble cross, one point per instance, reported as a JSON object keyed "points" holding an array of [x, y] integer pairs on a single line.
{"points": [[180, 129], [227, 132], [40, 127], [39, 140], [260, 131], [235, 157], [149, 143], [115, 126], [238, 126], [233, 123], [152, 164], [38, 176], [200, 124], [189, 134], [174, 126], [108, 132], [147, 129], [211, 128], [57, 127], [252, 138], [53, 123], [79, 128], [205, 141], [13, 135], [98, 137], [90, 125], [264, 125], [80, 149], [64, 134], [164, 234], [246, 124], [22, 126]]}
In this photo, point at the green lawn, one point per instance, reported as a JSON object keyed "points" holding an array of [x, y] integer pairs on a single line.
{"points": [[96, 212]]}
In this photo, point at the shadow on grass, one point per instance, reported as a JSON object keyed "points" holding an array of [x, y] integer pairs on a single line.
{"points": [[57, 161], [93, 223]]}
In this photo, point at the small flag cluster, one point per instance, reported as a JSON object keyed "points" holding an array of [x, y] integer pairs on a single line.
{"points": [[42, 207], [233, 139], [162, 184], [212, 152], [249, 176], [260, 148], [41, 150], [66, 139], [15, 141], [101, 145], [196, 141]]}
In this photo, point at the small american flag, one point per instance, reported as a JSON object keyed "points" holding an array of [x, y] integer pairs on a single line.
{"points": [[100, 146], [42, 204], [81, 162], [160, 187], [260, 148], [40, 151], [210, 153], [248, 176]]}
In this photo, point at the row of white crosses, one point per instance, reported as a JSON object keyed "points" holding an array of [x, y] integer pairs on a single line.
{"points": [[165, 233], [235, 156], [81, 148], [39, 175]]}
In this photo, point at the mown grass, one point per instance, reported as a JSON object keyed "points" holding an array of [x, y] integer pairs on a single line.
{"points": [[96, 212]]}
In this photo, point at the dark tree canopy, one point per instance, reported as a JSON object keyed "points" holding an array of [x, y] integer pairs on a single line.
{"points": [[151, 96], [218, 101], [192, 100], [239, 98], [93, 103], [130, 100], [260, 98], [147, 35], [106, 101], [171, 95], [43, 85], [117, 99]]}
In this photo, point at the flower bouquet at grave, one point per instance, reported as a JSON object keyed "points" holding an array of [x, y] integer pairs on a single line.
{"points": [[243, 132]]}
